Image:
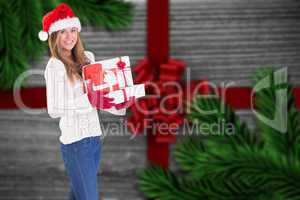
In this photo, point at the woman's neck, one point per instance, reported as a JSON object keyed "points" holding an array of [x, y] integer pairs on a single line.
{"points": [[67, 54]]}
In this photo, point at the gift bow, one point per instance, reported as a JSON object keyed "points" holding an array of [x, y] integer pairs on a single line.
{"points": [[171, 71]]}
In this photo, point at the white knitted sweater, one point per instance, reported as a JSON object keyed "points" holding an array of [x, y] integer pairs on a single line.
{"points": [[78, 119]]}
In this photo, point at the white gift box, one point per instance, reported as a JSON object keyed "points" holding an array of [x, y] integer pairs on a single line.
{"points": [[113, 75], [121, 78], [124, 94], [107, 76]]}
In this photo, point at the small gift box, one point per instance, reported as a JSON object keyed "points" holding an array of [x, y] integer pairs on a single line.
{"points": [[109, 75], [124, 94], [113, 77]]}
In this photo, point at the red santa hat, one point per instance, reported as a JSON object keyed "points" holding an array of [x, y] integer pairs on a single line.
{"points": [[59, 18]]}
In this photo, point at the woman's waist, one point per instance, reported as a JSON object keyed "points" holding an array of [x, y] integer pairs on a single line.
{"points": [[89, 118]]}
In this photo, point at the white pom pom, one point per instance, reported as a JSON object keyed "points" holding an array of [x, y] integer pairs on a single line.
{"points": [[43, 35]]}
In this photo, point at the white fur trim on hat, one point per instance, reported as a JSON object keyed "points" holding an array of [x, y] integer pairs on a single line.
{"points": [[43, 35], [65, 23]]}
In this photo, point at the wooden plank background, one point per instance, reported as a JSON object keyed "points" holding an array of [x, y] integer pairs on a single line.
{"points": [[221, 40]]}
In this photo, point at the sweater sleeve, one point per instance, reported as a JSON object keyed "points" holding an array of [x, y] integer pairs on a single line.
{"points": [[59, 104], [54, 97], [90, 56]]}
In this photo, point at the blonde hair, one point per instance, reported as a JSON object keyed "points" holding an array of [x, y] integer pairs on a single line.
{"points": [[73, 66]]}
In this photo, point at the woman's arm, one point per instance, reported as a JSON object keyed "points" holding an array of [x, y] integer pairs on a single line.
{"points": [[59, 104], [54, 95]]}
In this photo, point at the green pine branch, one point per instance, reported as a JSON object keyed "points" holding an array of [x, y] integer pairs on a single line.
{"points": [[284, 143], [29, 16], [161, 184], [48, 6], [239, 166], [111, 14], [12, 60], [240, 135]]}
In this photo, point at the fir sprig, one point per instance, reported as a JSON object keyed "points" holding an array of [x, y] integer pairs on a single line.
{"points": [[111, 14], [240, 166], [12, 60]]}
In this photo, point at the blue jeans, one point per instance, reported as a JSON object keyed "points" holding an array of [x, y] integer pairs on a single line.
{"points": [[82, 160]]}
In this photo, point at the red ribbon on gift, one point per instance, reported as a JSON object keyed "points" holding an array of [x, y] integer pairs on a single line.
{"points": [[124, 94], [121, 66]]}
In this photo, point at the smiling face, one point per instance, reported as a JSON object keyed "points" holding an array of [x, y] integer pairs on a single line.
{"points": [[67, 38], [66, 45]]}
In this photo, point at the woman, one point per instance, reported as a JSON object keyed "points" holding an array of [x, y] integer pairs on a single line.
{"points": [[80, 141]]}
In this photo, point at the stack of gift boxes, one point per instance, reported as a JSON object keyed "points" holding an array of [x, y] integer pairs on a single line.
{"points": [[113, 77]]}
